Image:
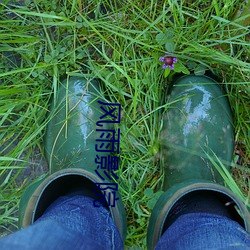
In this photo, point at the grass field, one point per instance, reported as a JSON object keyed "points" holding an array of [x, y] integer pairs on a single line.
{"points": [[44, 41]]}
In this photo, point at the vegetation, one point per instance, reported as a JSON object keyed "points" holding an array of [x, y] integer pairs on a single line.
{"points": [[119, 42]]}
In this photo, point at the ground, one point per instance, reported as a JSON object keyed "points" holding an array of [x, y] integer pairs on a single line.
{"points": [[42, 42]]}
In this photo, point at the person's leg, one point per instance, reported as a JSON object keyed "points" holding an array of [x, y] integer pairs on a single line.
{"points": [[71, 222], [71, 150], [204, 231], [197, 137]]}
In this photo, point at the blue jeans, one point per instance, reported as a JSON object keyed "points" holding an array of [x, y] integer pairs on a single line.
{"points": [[204, 231], [69, 223], [74, 223]]}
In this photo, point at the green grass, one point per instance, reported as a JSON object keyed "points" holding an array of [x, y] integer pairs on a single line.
{"points": [[119, 44]]}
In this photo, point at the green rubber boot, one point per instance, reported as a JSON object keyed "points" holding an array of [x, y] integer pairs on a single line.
{"points": [[71, 150], [197, 125]]}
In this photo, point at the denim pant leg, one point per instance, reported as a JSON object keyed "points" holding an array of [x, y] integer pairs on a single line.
{"points": [[69, 223], [204, 231]]}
